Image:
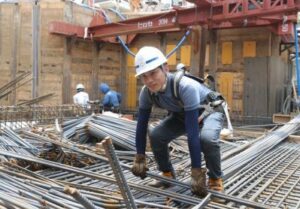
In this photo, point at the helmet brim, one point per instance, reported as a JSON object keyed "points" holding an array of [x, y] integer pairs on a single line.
{"points": [[141, 73]]}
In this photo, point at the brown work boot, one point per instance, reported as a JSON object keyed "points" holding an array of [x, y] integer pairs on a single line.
{"points": [[163, 184], [216, 185], [198, 182]]}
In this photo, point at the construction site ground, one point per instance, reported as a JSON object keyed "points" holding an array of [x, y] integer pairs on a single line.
{"points": [[66, 163]]}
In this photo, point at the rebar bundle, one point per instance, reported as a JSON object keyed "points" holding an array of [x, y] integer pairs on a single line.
{"points": [[259, 148], [94, 185]]}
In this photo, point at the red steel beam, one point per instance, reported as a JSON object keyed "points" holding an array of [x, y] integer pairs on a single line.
{"points": [[240, 9], [71, 30], [217, 15], [66, 29], [154, 23]]}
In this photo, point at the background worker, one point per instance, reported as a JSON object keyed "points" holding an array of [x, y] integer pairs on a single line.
{"points": [[81, 98], [181, 66], [152, 69], [112, 99]]}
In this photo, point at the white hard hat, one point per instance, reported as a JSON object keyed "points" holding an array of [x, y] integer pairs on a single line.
{"points": [[79, 86], [180, 66], [148, 58]]}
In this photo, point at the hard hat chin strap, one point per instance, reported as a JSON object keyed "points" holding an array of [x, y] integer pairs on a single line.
{"points": [[164, 86]]}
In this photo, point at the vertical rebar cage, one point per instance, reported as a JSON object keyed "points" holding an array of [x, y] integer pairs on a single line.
{"points": [[24, 116]]}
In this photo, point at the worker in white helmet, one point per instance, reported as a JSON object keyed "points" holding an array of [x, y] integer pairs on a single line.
{"points": [[152, 68], [181, 66], [81, 98]]}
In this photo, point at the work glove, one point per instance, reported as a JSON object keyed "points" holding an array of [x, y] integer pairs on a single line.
{"points": [[139, 167], [198, 182]]}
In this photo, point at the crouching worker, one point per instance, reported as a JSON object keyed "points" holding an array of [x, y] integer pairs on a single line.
{"points": [[112, 99], [152, 69]]}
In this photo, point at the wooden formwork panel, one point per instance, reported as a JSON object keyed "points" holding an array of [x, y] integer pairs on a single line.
{"points": [[231, 85], [6, 46], [24, 49], [109, 67], [251, 42], [172, 40], [249, 49], [16, 30], [51, 53]]}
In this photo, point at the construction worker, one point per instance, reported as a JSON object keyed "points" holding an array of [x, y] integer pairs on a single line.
{"points": [[112, 99], [81, 98], [152, 68], [181, 66]]}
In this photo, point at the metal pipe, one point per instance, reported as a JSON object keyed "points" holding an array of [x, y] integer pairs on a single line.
{"points": [[297, 57]]}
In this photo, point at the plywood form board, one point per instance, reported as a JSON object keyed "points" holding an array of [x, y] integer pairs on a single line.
{"points": [[225, 86], [24, 49], [14, 55], [93, 95], [272, 79], [6, 28], [62, 57], [51, 53], [249, 49], [237, 37], [256, 94], [231, 85], [172, 60], [130, 101], [237, 94], [278, 80], [212, 40], [81, 66], [261, 37], [262, 48], [258, 33], [19, 40], [109, 66], [195, 42], [172, 40], [52, 47], [67, 64]]}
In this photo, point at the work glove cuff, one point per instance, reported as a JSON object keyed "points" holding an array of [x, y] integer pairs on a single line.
{"points": [[198, 172], [198, 181], [139, 167], [140, 158]]}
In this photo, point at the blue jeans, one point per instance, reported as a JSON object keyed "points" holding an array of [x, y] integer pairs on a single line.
{"points": [[173, 126]]}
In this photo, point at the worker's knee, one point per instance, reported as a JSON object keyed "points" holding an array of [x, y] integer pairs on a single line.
{"points": [[209, 140], [154, 135], [157, 138]]}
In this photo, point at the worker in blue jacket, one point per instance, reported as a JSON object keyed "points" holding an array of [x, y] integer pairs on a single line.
{"points": [[152, 69], [111, 100]]}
